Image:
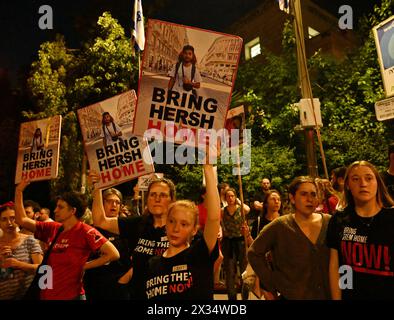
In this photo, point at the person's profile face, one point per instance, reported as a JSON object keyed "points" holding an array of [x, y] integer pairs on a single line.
{"points": [[392, 157], [274, 202]]}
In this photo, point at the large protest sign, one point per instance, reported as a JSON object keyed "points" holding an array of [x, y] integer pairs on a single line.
{"points": [[186, 80], [38, 149], [112, 150], [384, 40]]}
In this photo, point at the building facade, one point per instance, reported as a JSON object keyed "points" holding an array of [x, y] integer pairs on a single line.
{"points": [[126, 108], [165, 42], [221, 60], [263, 27]]}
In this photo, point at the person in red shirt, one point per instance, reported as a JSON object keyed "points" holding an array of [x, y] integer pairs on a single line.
{"points": [[328, 196], [69, 255]]}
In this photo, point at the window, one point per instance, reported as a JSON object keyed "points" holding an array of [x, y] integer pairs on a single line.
{"points": [[255, 50], [312, 33], [252, 48]]}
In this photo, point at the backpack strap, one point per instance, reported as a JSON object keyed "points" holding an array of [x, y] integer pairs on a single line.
{"points": [[193, 71], [177, 68]]}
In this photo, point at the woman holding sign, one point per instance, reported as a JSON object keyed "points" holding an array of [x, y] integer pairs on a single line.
{"points": [[146, 234], [75, 241], [185, 270]]}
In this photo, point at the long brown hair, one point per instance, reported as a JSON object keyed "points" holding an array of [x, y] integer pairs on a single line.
{"points": [[383, 197]]}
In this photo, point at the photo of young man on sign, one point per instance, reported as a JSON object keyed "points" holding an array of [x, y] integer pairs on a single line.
{"points": [[187, 85]]}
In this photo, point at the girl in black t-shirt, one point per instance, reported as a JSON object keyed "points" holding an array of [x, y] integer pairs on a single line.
{"points": [[185, 270], [361, 238]]}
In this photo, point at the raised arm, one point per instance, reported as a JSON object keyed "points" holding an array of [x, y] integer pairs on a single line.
{"points": [[212, 224], [108, 253], [20, 214]]}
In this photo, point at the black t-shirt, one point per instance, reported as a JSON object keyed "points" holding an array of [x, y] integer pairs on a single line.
{"points": [[116, 268], [145, 241], [258, 225], [259, 196], [185, 276], [389, 182], [367, 246]]}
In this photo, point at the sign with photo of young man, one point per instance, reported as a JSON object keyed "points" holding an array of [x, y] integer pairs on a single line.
{"points": [[113, 151], [185, 87], [38, 149]]}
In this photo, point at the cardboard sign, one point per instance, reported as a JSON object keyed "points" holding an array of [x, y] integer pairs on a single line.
{"points": [[38, 149], [144, 181], [112, 150], [384, 109], [236, 121], [187, 83]]}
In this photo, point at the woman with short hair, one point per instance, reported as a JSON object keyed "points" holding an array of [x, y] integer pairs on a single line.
{"points": [[74, 244], [300, 257]]}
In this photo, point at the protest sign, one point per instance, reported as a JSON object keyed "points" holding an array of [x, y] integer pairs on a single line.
{"points": [[112, 150], [235, 126], [144, 181], [187, 83], [38, 149]]}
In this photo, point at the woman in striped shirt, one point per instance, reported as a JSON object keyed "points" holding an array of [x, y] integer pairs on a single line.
{"points": [[20, 255]]}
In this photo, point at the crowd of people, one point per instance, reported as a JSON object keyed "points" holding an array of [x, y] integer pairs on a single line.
{"points": [[334, 240]]}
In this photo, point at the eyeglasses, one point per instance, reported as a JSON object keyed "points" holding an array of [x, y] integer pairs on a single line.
{"points": [[160, 195], [111, 201]]}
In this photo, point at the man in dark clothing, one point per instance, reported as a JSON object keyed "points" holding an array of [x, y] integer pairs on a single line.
{"points": [[257, 205]]}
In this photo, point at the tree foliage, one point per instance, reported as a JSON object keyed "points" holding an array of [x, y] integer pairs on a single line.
{"points": [[64, 79], [347, 90]]}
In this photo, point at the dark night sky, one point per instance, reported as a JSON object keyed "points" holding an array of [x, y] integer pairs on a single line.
{"points": [[21, 35]]}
